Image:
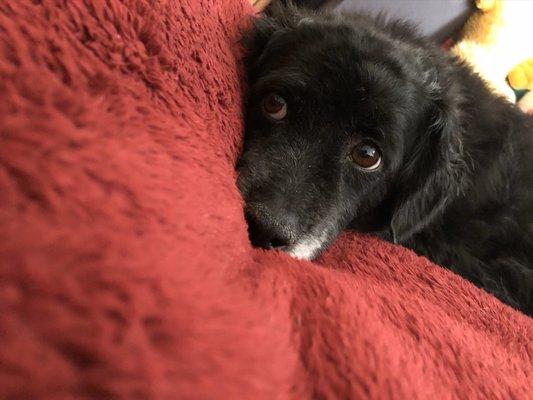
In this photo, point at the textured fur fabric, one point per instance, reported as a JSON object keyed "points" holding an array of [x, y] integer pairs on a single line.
{"points": [[125, 267]]}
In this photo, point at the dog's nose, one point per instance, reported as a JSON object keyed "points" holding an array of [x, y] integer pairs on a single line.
{"points": [[267, 231]]}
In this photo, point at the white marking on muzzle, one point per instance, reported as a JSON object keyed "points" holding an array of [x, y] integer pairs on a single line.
{"points": [[308, 247]]}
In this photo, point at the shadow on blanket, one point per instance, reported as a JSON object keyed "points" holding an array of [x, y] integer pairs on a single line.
{"points": [[125, 269]]}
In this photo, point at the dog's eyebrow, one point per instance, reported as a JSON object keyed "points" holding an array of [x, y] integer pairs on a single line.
{"points": [[282, 79], [370, 133], [380, 133]]}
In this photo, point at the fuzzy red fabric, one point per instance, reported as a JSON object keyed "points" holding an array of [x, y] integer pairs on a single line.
{"points": [[125, 268]]}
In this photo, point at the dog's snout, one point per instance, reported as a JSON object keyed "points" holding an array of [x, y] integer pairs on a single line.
{"points": [[267, 230]]}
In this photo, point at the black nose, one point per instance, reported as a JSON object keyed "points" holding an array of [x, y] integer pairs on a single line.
{"points": [[268, 231]]}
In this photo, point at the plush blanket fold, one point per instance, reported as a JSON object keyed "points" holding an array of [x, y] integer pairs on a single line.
{"points": [[125, 267]]}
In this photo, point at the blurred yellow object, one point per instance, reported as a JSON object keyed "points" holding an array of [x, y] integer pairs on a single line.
{"points": [[521, 77], [495, 39]]}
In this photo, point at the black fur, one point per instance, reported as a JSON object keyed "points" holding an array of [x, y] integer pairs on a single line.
{"points": [[456, 180]]}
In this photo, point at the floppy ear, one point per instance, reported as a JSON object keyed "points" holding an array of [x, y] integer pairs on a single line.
{"points": [[278, 17], [433, 178], [256, 39]]}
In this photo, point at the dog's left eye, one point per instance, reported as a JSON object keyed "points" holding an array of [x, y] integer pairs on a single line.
{"points": [[275, 106]]}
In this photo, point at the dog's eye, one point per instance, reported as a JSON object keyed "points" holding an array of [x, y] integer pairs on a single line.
{"points": [[366, 156], [275, 106]]}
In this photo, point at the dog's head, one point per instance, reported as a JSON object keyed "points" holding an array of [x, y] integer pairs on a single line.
{"points": [[351, 122]]}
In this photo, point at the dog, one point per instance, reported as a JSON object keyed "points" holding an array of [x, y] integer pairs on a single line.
{"points": [[356, 122]]}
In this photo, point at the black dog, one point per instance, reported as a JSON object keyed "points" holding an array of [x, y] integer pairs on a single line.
{"points": [[356, 122]]}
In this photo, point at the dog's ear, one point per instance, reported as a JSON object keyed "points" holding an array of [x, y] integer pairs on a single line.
{"points": [[434, 175], [278, 17], [257, 37]]}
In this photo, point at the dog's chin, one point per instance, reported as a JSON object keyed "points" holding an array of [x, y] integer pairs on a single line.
{"points": [[308, 247]]}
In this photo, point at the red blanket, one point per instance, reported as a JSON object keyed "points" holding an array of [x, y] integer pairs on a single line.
{"points": [[125, 268]]}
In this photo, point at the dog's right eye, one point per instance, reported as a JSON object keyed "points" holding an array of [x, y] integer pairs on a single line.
{"points": [[367, 156], [274, 106]]}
